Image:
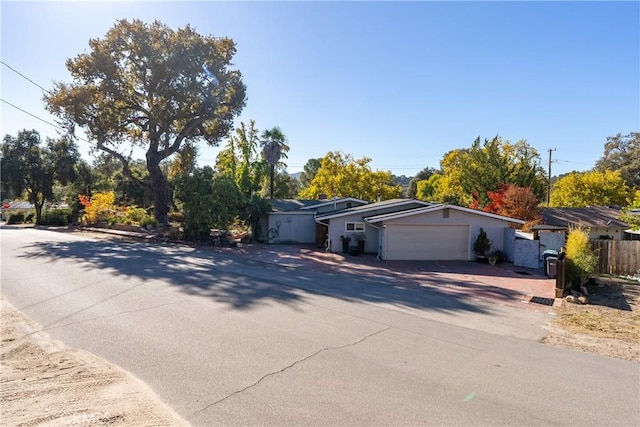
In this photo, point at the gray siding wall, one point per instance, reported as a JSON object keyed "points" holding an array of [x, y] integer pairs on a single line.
{"points": [[293, 228]]}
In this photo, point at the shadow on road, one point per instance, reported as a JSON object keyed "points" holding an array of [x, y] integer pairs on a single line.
{"points": [[242, 281]]}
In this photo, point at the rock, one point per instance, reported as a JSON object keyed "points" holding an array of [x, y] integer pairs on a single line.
{"points": [[572, 298], [582, 299]]}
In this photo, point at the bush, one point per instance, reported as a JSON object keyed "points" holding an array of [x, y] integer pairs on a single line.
{"points": [[136, 214], [56, 217], [147, 220], [15, 218], [99, 207], [175, 216], [581, 260], [482, 245]]}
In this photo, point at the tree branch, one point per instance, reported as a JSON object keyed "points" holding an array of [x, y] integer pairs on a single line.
{"points": [[125, 163]]}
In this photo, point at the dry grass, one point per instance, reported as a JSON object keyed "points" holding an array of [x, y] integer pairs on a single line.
{"points": [[608, 325], [613, 311]]}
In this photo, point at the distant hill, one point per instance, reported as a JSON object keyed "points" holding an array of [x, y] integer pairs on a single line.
{"points": [[296, 175]]}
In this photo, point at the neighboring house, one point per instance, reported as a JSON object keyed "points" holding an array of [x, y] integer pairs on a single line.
{"points": [[602, 221], [13, 207], [293, 221], [437, 232]]}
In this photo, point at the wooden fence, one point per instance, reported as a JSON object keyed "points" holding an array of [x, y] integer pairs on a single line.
{"points": [[617, 256]]}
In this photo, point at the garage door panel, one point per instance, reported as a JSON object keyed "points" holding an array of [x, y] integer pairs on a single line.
{"points": [[427, 242]]}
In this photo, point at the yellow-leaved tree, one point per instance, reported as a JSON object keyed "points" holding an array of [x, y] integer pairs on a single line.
{"points": [[580, 189], [340, 175]]}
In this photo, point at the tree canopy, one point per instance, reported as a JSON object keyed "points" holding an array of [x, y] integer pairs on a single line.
{"points": [[29, 166], [240, 160], [309, 171], [485, 166], [580, 189], [423, 175], [622, 153], [148, 86], [341, 175], [514, 202], [274, 147]]}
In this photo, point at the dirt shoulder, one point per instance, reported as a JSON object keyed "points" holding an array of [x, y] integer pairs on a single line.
{"points": [[46, 383], [609, 325]]}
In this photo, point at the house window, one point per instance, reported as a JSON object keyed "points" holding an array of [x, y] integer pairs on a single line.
{"points": [[354, 226], [445, 213]]}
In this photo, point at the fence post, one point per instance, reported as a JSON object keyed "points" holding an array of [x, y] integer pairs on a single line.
{"points": [[560, 275]]}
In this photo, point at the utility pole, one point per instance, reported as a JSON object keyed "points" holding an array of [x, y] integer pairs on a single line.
{"points": [[550, 150]]}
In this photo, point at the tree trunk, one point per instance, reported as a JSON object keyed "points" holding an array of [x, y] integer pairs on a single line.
{"points": [[38, 206], [160, 190], [271, 182]]}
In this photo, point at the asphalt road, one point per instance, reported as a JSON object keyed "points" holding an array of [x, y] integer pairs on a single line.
{"points": [[226, 339]]}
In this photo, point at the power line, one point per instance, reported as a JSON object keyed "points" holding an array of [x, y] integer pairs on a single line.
{"points": [[31, 114], [39, 118], [24, 77]]}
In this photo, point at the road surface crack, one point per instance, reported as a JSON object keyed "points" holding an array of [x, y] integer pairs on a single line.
{"points": [[270, 374]]}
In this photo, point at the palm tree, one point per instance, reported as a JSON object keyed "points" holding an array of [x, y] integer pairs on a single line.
{"points": [[274, 147]]}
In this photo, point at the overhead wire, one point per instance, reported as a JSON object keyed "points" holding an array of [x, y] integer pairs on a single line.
{"points": [[27, 112], [24, 77]]}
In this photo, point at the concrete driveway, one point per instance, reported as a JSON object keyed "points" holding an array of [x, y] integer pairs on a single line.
{"points": [[503, 283]]}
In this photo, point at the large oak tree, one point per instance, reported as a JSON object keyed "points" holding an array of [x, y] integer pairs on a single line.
{"points": [[622, 153], [148, 86]]}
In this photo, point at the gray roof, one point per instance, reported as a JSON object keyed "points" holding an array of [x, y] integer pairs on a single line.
{"points": [[426, 209], [288, 205], [591, 216], [402, 204]]}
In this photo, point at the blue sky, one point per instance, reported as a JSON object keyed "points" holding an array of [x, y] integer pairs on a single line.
{"points": [[401, 83]]}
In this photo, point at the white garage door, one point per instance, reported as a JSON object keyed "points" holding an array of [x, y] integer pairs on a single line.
{"points": [[427, 242]]}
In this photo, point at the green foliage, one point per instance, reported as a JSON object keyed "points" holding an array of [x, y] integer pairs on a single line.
{"points": [[135, 214], [423, 175], [208, 201], [284, 186], [482, 245], [185, 161], [56, 217], [309, 171], [580, 189], [632, 219], [274, 147], [485, 166], [622, 153], [581, 260], [228, 202], [253, 210], [195, 193], [147, 220], [427, 189], [149, 86], [28, 166], [343, 176], [16, 218], [240, 160]]}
